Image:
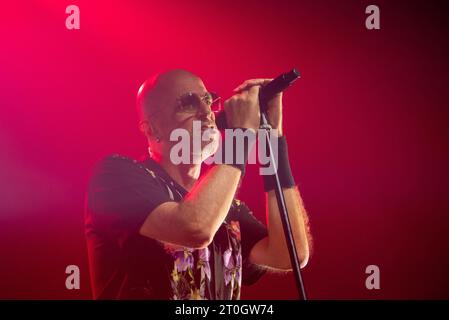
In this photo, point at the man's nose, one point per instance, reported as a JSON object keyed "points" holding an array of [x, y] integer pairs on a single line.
{"points": [[204, 109], [205, 113]]}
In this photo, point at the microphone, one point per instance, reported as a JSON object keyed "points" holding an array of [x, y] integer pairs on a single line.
{"points": [[266, 93]]}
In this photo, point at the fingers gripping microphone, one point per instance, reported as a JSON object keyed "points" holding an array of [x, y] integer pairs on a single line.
{"points": [[276, 86], [266, 93]]}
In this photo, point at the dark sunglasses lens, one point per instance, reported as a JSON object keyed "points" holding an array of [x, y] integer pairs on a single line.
{"points": [[190, 101]]}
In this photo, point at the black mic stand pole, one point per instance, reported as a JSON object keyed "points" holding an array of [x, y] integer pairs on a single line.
{"points": [[284, 212]]}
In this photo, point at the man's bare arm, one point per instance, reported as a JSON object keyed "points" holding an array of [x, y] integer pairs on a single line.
{"points": [[194, 221], [272, 251]]}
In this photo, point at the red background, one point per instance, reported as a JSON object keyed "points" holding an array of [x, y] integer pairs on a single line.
{"points": [[366, 125]]}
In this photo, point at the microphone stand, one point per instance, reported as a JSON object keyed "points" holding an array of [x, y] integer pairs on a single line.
{"points": [[284, 213]]}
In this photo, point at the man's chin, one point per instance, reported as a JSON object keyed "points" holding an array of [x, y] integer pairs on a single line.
{"points": [[207, 151]]}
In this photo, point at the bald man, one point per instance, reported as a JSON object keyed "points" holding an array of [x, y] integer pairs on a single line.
{"points": [[156, 231]]}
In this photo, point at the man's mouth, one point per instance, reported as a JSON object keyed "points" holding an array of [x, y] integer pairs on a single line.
{"points": [[204, 127]]}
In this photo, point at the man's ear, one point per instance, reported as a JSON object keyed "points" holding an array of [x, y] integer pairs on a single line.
{"points": [[148, 129], [145, 127]]}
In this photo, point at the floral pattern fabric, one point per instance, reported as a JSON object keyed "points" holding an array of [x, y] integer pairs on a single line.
{"points": [[191, 275]]}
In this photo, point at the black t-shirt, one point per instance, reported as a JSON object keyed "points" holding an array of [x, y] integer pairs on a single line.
{"points": [[126, 265]]}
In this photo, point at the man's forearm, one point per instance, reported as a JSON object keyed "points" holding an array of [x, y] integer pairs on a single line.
{"points": [[299, 223], [208, 203]]}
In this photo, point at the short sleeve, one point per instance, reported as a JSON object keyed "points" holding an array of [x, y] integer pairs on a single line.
{"points": [[252, 231], [121, 195]]}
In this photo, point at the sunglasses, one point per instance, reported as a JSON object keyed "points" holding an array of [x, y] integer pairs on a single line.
{"points": [[191, 102]]}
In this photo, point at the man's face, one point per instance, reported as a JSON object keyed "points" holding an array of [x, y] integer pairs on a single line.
{"points": [[188, 101]]}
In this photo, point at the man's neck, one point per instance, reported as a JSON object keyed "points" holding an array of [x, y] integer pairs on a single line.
{"points": [[185, 175]]}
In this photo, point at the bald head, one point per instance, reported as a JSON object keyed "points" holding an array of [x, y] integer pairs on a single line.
{"points": [[159, 93], [158, 108]]}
